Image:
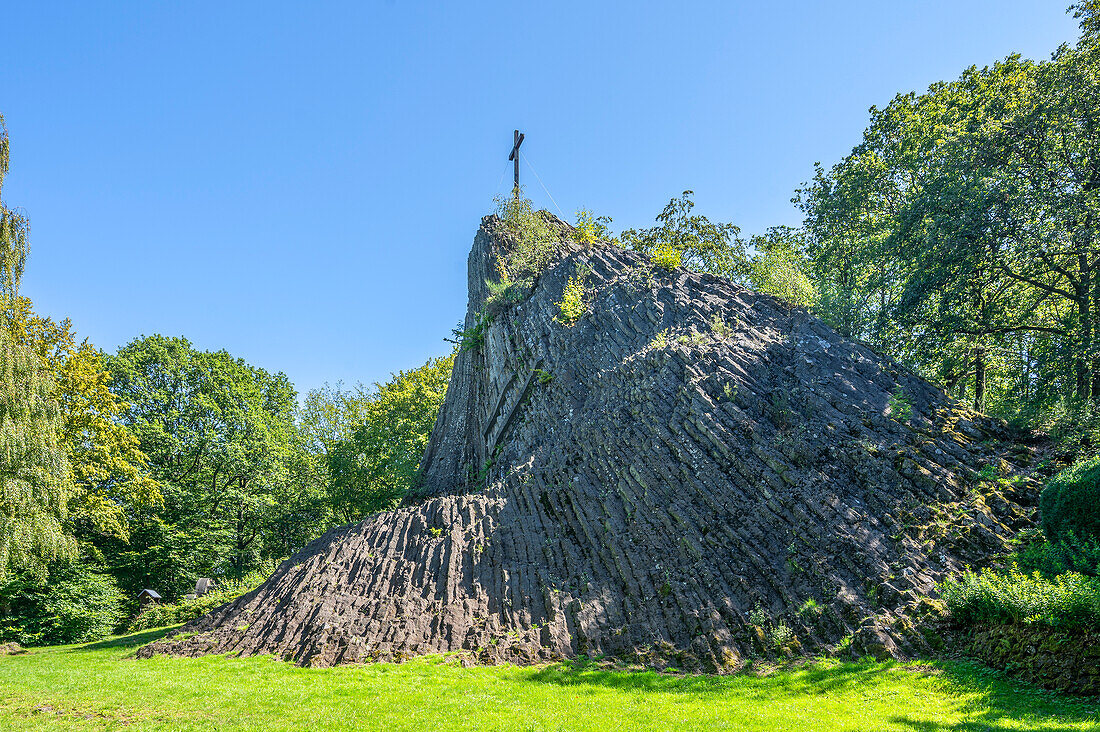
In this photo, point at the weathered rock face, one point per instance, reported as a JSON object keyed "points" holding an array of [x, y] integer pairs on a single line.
{"points": [[1056, 659], [690, 473]]}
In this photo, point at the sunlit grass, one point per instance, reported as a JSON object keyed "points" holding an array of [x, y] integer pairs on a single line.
{"points": [[102, 687]]}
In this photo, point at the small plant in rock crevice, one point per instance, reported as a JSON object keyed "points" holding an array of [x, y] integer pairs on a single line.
{"points": [[660, 341], [473, 337], [505, 293], [720, 327], [900, 407], [574, 298]]}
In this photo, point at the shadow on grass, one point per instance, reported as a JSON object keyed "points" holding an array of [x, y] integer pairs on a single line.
{"points": [[806, 681], [1000, 700], [125, 641], [992, 701]]}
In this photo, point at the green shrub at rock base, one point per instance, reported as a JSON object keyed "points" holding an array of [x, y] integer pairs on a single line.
{"points": [[1070, 600], [1071, 502], [158, 616], [1051, 558]]}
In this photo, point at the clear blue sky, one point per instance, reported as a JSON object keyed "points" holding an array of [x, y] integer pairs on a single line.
{"points": [[300, 183]]}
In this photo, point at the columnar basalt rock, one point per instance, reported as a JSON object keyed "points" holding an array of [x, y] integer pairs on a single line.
{"points": [[689, 474]]}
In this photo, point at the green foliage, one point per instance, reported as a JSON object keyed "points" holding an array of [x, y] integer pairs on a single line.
{"points": [[222, 441], [809, 609], [574, 298], [681, 239], [108, 472], [1051, 558], [544, 377], [961, 237], [102, 687], [900, 406], [73, 604], [780, 635], [14, 231], [330, 414], [505, 293], [590, 229], [473, 337], [34, 471], [779, 266], [660, 341], [1070, 600], [174, 613], [378, 464], [720, 327], [1070, 503], [35, 484], [666, 256], [530, 238]]}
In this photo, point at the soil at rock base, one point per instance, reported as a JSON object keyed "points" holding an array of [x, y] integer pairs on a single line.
{"points": [[690, 474]]}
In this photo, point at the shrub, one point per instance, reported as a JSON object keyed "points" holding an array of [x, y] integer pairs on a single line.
{"points": [[591, 229], [505, 293], [900, 407], [666, 256], [158, 616], [574, 301], [474, 336], [74, 604], [1051, 558], [1070, 601], [1071, 502], [531, 238], [692, 241]]}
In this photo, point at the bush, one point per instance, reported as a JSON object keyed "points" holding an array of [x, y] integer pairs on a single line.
{"points": [[158, 616], [1071, 502], [531, 238], [1051, 558], [1069, 601], [591, 229], [574, 302], [666, 256], [73, 604]]}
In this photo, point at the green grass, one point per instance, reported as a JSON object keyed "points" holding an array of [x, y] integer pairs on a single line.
{"points": [[101, 686]]}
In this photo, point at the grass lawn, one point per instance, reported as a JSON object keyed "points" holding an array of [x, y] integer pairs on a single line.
{"points": [[101, 686]]}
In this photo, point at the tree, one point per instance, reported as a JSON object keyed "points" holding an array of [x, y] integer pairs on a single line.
{"points": [[695, 241], [374, 468], [960, 234], [220, 436], [778, 266], [34, 471], [108, 471]]}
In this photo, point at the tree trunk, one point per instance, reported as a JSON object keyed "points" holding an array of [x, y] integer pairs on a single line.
{"points": [[1083, 358], [979, 377]]}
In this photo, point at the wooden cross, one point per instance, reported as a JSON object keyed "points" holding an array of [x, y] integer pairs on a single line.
{"points": [[517, 140]]}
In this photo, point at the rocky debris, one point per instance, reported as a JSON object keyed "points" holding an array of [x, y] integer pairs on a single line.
{"points": [[11, 649], [688, 474], [1064, 661]]}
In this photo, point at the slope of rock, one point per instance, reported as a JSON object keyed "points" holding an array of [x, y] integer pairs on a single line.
{"points": [[690, 473]]}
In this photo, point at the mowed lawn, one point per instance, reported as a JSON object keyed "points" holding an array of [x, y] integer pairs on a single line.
{"points": [[102, 687]]}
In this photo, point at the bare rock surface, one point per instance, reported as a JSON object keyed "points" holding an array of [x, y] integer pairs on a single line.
{"points": [[689, 474]]}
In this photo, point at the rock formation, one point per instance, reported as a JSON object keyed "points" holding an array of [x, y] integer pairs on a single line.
{"points": [[688, 474]]}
